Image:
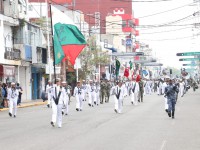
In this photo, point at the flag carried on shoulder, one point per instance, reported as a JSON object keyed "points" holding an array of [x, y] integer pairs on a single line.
{"points": [[68, 40]]}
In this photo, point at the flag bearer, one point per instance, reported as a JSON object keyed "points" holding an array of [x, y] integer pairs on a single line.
{"points": [[58, 95], [13, 97], [78, 93], [119, 96]]}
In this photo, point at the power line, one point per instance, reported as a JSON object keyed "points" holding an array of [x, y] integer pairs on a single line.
{"points": [[165, 11]]}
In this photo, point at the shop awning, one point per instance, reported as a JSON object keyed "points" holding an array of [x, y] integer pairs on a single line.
{"points": [[7, 71]]}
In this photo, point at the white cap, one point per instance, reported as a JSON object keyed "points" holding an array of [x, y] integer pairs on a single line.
{"points": [[64, 82], [58, 79], [13, 83]]}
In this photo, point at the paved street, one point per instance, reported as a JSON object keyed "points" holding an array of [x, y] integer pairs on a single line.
{"points": [[142, 127]]}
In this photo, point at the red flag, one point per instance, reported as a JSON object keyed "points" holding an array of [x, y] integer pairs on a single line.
{"points": [[126, 72]]}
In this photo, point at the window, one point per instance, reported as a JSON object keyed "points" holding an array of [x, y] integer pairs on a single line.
{"points": [[30, 8], [123, 23]]}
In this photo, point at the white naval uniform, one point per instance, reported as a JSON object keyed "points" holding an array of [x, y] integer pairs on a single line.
{"points": [[84, 88], [134, 95], [159, 89], [48, 91], [118, 102], [97, 99], [92, 94], [13, 97], [78, 93], [181, 88], [66, 102], [164, 85], [57, 109]]}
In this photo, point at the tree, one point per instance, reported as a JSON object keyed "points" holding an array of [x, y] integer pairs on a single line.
{"points": [[91, 57]]}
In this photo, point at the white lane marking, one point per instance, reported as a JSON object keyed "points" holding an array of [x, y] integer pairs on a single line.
{"points": [[163, 145]]}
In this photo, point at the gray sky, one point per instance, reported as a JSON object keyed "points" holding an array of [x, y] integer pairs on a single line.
{"points": [[162, 44]]}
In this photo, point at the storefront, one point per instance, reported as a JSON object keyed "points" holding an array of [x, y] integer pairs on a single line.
{"points": [[7, 73]]}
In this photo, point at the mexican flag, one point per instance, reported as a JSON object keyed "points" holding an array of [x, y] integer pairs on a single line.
{"points": [[68, 40]]}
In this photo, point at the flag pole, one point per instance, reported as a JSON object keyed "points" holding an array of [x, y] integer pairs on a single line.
{"points": [[54, 65]]}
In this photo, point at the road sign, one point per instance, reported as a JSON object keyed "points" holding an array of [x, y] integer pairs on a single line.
{"points": [[128, 42], [189, 59], [189, 65], [188, 54]]}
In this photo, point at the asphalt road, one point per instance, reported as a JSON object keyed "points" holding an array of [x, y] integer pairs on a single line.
{"points": [[142, 127]]}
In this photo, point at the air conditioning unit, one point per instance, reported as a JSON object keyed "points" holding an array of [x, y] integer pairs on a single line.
{"points": [[16, 55]]}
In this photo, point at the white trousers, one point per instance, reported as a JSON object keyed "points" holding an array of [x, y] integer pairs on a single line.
{"points": [[134, 98], [92, 97], [97, 99], [13, 106], [57, 114], [66, 108], [166, 105], [79, 101], [118, 105], [181, 91], [49, 98]]}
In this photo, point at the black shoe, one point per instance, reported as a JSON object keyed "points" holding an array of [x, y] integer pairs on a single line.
{"points": [[80, 109], [77, 109], [92, 105], [115, 110], [169, 114], [53, 125], [10, 114], [132, 103], [166, 110], [139, 101], [62, 113], [172, 117], [14, 116], [95, 103], [89, 105], [48, 105]]}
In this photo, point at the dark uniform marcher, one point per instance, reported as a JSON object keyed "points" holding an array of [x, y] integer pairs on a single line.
{"points": [[102, 91], [141, 92], [108, 88], [170, 93]]}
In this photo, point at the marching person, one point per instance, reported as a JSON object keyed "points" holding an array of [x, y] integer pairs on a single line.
{"points": [[164, 85], [19, 88], [48, 91], [13, 94], [92, 93], [78, 94], [182, 85], [58, 95], [97, 99], [84, 88], [141, 90], [134, 92], [102, 91], [170, 92], [66, 101], [119, 96], [108, 88]]}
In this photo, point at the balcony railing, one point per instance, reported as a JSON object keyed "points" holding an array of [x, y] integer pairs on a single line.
{"points": [[12, 54]]}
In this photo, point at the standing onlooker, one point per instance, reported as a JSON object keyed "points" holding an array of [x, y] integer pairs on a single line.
{"points": [[13, 97], [5, 94], [1, 96], [19, 88]]}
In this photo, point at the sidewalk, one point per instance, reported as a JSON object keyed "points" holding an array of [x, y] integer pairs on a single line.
{"points": [[29, 103]]}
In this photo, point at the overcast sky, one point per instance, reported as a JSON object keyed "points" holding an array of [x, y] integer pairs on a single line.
{"points": [[166, 44]]}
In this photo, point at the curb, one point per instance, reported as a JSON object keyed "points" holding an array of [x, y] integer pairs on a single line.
{"points": [[26, 105]]}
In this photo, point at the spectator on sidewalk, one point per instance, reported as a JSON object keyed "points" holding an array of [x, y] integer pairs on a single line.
{"points": [[1, 96], [19, 88], [5, 94]]}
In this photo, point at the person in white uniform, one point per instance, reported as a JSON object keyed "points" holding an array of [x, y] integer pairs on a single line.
{"points": [[97, 99], [92, 93], [181, 88], [164, 85], [78, 94], [58, 95], [13, 97], [48, 91], [118, 92], [66, 101], [134, 92]]}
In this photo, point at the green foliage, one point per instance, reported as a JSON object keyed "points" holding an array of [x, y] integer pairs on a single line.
{"points": [[91, 58]]}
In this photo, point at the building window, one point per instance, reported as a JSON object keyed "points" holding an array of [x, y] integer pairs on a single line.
{"points": [[123, 23], [30, 8]]}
